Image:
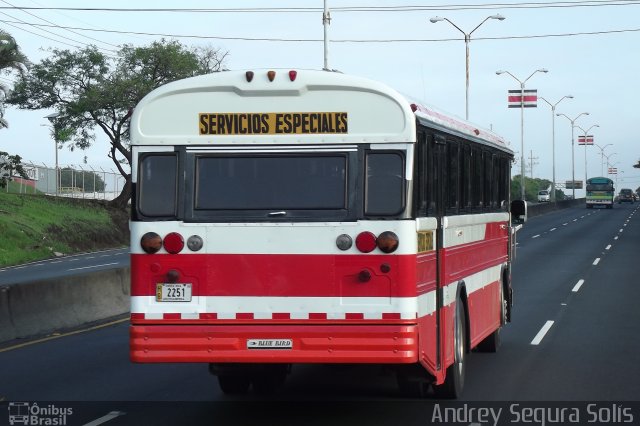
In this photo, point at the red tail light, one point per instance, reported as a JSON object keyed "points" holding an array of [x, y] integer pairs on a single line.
{"points": [[366, 242], [173, 243], [388, 242], [271, 75], [292, 75], [151, 242]]}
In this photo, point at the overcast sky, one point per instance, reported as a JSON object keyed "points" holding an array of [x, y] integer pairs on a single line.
{"points": [[600, 69]]}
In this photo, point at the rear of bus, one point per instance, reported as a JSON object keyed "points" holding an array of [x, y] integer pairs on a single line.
{"points": [[284, 217], [599, 192], [271, 225]]}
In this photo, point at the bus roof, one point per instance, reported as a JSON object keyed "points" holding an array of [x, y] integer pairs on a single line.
{"points": [[597, 180], [284, 107]]}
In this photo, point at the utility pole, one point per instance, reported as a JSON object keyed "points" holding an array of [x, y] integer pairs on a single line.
{"points": [[532, 162], [326, 21]]}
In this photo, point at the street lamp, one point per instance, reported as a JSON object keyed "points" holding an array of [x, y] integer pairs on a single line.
{"points": [[607, 161], [467, 39], [522, 82], [602, 148], [553, 142], [585, 148], [52, 119], [573, 174]]}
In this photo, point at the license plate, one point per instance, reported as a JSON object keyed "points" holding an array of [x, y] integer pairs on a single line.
{"points": [[269, 344], [173, 292]]}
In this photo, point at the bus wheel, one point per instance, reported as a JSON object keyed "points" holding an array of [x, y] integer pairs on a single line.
{"points": [[454, 381], [234, 384]]}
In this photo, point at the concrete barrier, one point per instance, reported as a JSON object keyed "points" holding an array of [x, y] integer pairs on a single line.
{"points": [[542, 208], [41, 307]]}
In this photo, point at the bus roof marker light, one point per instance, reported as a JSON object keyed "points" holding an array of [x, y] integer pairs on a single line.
{"points": [[271, 75], [292, 75], [249, 75]]}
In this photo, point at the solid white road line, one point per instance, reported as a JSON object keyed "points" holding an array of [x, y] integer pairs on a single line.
{"points": [[94, 266], [577, 286], [543, 331]]}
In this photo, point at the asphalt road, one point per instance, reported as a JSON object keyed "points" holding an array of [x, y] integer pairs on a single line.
{"points": [[573, 338], [65, 266]]}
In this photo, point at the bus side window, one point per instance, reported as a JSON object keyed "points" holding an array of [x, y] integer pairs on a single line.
{"points": [[465, 179], [453, 174], [488, 176], [420, 176], [477, 179], [157, 185]]}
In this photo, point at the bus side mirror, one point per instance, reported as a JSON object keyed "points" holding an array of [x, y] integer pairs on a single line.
{"points": [[518, 211]]}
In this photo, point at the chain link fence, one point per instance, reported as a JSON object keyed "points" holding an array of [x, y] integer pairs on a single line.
{"points": [[73, 181]]}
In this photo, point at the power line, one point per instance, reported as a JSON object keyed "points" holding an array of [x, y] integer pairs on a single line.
{"points": [[57, 26], [308, 40], [21, 22], [405, 8]]}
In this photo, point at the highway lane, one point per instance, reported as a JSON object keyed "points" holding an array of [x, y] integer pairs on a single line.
{"points": [[582, 277], [587, 353], [65, 266]]}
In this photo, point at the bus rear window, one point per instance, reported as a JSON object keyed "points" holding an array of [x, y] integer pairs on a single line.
{"points": [[157, 185], [285, 182], [384, 186]]}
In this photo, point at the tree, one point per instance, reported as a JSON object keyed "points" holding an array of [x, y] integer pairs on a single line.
{"points": [[91, 90], [11, 60], [531, 188], [10, 166]]}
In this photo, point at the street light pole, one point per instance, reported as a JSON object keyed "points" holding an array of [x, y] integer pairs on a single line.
{"points": [[553, 142], [522, 82], [607, 157], [573, 168], [601, 148], [585, 148], [467, 39]]}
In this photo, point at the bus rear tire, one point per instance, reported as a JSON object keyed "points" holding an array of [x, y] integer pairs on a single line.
{"points": [[454, 381]]}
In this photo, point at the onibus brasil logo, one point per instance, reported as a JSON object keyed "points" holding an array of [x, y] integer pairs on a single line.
{"points": [[26, 413]]}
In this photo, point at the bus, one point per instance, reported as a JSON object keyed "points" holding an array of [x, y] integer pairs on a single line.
{"points": [[287, 217], [600, 192]]}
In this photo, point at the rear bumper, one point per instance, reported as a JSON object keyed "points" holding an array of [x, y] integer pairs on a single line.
{"points": [[384, 344]]}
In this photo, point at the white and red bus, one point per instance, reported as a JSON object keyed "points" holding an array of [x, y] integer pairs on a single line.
{"points": [[287, 217]]}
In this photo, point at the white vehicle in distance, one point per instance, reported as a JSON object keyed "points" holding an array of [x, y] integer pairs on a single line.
{"points": [[543, 197]]}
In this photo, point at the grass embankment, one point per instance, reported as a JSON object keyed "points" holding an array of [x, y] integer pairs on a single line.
{"points": [[34, 227]]}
